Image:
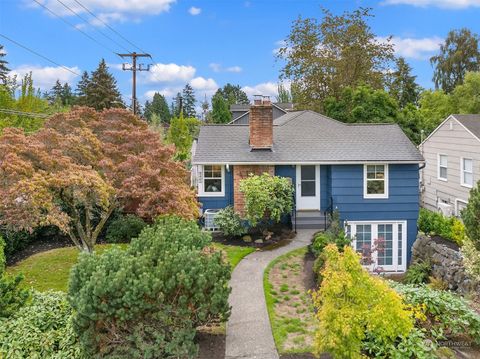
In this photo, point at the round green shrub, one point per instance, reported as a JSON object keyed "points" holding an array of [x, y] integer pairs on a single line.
{"points": [[147, 301], [470, 216], [41, 329], [230, 222], [124, 228]]}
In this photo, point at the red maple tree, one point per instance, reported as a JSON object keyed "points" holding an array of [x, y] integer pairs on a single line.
{"points": [[83, 165]]}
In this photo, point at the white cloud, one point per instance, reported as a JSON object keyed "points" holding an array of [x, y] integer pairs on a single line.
{"points": [[419, 49], [204, 86], [169, 73], [219, 68], [447, 4], [108, 10], [45, 77], [194, 11], [265, 89], [168, 92]]}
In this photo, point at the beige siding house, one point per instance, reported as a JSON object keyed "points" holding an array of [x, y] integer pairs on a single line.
{"points": [[452, 164]]}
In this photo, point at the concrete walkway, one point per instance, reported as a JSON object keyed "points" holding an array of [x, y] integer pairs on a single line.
{"points": [[249, 334]]}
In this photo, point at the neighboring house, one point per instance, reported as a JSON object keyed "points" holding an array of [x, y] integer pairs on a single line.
{"points": [[369, 173], [241, 113], [452, 164]]}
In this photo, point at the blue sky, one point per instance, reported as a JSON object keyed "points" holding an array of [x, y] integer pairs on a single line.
{"points": [[207, 43]]}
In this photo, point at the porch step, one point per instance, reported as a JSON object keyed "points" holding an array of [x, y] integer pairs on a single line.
{"points": [[310, 220]]}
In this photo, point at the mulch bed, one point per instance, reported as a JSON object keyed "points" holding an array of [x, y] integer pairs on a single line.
{"points": [[445, 242], [281, 234], [211, 346], [38, 246]]}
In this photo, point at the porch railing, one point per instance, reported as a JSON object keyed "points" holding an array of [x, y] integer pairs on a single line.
{"points": [[328, 212]]}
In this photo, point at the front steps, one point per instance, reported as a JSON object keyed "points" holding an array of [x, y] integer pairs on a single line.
{"points": [[310, 220]]}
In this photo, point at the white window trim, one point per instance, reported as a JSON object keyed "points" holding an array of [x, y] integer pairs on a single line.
{"points": [[457, 201], [386, 179], [438, 168], [201, 182], [395, 267], [462, 170]]}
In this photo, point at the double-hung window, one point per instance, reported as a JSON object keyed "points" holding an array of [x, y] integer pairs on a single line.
{"points": [[212, 181], [442, 167], [467, 172], [375, 181]]}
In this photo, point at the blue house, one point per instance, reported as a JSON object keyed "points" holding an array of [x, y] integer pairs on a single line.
{"points": [[368, 172]]}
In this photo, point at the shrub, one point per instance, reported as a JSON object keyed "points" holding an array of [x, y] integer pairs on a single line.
{"points": [[471, 259], [267, 197], [352, 305], [148, 300], [124, 228], [230, 222], [15, 241], [446, 313], [433, 223], [41, 329], [12, 296], [418, 272], [470, 216]]}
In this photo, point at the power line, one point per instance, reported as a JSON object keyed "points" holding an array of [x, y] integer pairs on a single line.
{"points": [[75, 27], [46, 58], [108, 26], [96, 29], [40, 55]]}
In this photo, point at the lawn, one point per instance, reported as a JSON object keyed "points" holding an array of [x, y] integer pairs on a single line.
{"points": [[51, 269], [289, 304]]}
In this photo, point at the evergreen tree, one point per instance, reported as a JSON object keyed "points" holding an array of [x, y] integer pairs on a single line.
{"points": [[403, 86], [233, 94], [82, 89], [189, 101], [102, 91], [67, 95], [220, 110], [158, 107], [55, 94], [458, 55], [177, 105], [3, 66]]}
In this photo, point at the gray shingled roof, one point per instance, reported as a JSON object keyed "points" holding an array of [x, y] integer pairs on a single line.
{"points": [[472, 122], [306, 136]]}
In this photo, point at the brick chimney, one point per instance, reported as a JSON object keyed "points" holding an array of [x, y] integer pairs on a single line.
{"points": [[261, 123]]}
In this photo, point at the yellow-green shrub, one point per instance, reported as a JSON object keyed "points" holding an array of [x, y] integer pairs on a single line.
{"points": [[351, 304]]}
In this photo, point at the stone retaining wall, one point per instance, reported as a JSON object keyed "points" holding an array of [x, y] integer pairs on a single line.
{"points": [[446, 264]]}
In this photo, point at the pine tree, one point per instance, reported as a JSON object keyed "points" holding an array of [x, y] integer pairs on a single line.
{"points": [[55, 94], [403, 86], [158, 107], [220, 110], [189, 101], [177, 105], [4, 70], [82, 89], [102, 91], [67, 95]]}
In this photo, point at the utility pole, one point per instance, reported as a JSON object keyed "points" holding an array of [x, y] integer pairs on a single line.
{"points": [[133, 67]]}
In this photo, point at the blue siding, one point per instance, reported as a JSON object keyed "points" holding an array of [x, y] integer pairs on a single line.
{"points": [[402, 204], [286, 171], [220, 202]]}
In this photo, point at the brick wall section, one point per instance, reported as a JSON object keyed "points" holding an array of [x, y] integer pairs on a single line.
{"points": [[241, 172], [261, 126]]}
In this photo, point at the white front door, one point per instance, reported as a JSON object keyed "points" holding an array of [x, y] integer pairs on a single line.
{"points": [[308, 187]]}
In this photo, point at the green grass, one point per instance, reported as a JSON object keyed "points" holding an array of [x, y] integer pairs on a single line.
{"points": [[281, 325], [50, 270], [234, 253]]}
